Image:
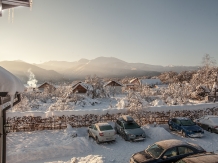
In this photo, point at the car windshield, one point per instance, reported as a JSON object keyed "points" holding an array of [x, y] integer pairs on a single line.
{"points": [[105, 127], [131, 125], [214, 120], [187, 122], [155, 150]]}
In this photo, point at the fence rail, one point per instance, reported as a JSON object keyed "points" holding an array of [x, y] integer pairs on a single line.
{"points": [[29, 123]]}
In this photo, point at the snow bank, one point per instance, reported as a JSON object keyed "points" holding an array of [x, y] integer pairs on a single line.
{"points": [[44, 145], [65, 112], [166, 108], [157, 133], [163, 108], [9, 83], [158, 102], [87, 159]]}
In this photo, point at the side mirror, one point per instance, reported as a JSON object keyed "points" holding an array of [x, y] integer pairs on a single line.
{"points": [[164, 157]]}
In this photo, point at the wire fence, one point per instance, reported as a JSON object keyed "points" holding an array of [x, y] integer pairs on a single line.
{"points": [[29, 123]]}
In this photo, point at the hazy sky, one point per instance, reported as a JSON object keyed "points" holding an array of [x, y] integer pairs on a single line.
{"points": [[159, 32]]}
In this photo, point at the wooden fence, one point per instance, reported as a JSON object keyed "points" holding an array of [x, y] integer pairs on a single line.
{"points": [[29, 123]]}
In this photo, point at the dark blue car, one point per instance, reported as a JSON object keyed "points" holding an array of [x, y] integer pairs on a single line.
{"points": [[186, 126]]}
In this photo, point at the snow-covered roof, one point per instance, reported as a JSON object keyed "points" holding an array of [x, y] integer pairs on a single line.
{"points": [[170, 143], [112, 81], [10, 83], [49, 83], [84, 85], [133, 80], [102, 124], [150, 81]]}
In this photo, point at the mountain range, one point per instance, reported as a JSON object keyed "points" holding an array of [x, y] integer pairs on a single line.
{"points": [[101, 66]]}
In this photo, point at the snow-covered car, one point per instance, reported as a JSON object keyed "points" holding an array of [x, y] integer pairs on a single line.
{"points": [[166, 151], [186, 126], [129, 129], [200, 158], [209, 123], [102, 132]]}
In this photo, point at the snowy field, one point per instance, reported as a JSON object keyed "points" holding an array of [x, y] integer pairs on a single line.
{"points": [[60, 147]]}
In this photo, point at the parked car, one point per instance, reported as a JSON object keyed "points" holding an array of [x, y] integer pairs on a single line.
{"points": [[200, 158], [186, 126], [209, 123], [166, 151], [102, 132], [129, 129]]}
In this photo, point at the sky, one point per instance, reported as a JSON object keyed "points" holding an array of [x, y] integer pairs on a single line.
{"points": [[158, 32]]}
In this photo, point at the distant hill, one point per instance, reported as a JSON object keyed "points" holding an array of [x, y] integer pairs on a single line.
{"points": [[109, 67], [20, 69], [101, 66]]}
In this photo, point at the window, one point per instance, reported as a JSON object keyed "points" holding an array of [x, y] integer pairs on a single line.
{"points": [[118, 122], [105, 127], [95, 127], [171, 152], [178, 122], [187, 122], [155, 150], [131, 125], [184, 150]]}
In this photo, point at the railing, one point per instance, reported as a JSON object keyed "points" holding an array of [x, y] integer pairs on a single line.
{"points": [[29, 123]]}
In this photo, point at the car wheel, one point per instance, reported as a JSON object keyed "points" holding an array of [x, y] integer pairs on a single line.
{"points": [[209, 130], [97, 141], [170, 127], [115, 130], [184, 134], [89, 134], [125, 137]]}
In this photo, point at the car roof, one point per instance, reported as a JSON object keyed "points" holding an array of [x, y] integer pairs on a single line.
{"points": [[211, 116], [202, 158], [171, 143], [103, 124], [182, 118]]}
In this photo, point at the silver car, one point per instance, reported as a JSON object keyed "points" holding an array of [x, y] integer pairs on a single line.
{"points": [[102, 132], [129, 129], [209, 123]]}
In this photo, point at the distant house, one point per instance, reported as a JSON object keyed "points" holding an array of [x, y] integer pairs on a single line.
{"points": [[81, 87], [145, 82], [135, 81], [47, 86], [115, 85]]}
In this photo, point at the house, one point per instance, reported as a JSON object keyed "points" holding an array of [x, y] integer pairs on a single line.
{"points": [[47, 86], [7, 4], [115, 85], [81, 87], [135, 81]]}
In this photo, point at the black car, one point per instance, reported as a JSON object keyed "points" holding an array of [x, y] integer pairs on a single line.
{"points": [[166, 151], [200, 158], [209, 123], [129, 129]]}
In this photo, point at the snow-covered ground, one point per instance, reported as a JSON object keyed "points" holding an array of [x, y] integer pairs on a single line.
{"points": [[60, 147]]}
